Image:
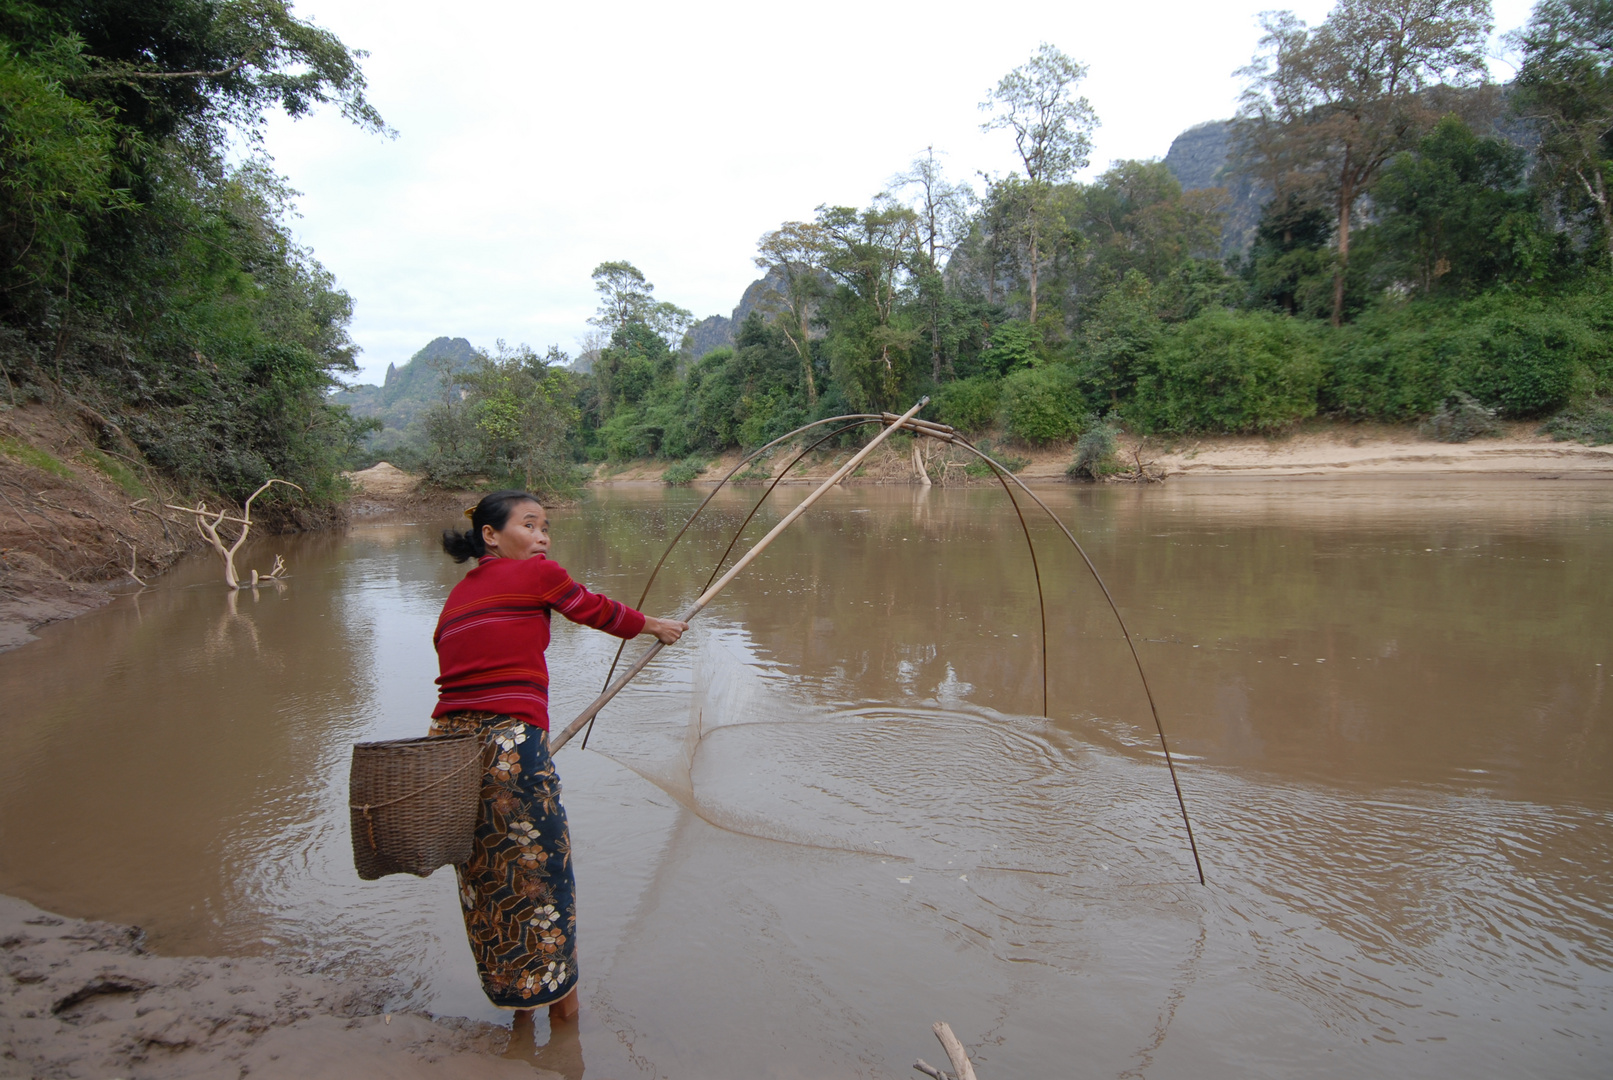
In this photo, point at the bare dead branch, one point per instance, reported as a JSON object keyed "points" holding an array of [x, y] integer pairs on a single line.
{"points": [[134, 564], [207, 523], [955, 1052]]}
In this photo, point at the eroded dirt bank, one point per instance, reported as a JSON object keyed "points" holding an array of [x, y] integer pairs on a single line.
{"points": [[82, 999], [81, 513]]}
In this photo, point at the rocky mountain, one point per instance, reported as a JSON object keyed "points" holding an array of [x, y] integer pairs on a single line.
{"points": [[404, 395], [1199, 158], [715, 331]]}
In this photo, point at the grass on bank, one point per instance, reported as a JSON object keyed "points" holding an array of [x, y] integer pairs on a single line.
{"points": [[42, 460]]}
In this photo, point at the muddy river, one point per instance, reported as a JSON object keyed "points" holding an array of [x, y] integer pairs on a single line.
{"points": [[834, 813]]}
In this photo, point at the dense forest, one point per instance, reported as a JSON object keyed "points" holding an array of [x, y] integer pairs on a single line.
{"points": [[148, 280], [1393, 237], [1429, 247]]}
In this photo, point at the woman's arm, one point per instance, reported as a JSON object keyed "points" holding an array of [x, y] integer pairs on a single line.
{"points": [[666, 631]]}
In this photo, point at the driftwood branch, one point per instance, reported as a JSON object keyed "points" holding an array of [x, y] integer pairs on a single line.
{"points": [[134, 564], [207, 523], [955, 1052], [930, 1070]]}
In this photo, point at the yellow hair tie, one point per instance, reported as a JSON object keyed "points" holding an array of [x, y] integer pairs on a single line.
{"points": [[470, 512]]}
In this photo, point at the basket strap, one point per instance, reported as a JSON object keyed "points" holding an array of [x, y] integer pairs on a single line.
{"points": [[367, 807]]}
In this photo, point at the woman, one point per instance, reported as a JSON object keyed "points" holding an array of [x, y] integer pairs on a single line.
{"points": [[517, 888]]}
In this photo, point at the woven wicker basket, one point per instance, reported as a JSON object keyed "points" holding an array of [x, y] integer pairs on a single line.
{"points": [[413, 803]]}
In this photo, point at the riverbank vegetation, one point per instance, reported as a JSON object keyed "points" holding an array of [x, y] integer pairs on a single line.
{"points": [[1426, 238], [149, 285]]}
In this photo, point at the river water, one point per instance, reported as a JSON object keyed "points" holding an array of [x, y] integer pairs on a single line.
{"points": [[834, 814]]}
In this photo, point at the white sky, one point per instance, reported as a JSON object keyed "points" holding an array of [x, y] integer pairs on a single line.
{"points": [[536, 140]]}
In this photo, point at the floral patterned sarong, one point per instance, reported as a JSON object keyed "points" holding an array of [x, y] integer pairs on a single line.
{"points": [[517, 891]]}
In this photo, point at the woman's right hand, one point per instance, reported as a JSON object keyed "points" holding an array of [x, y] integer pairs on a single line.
{"points": [[666, 631]]}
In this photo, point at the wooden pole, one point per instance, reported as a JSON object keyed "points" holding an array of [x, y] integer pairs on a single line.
{"points": [[722, 583]]}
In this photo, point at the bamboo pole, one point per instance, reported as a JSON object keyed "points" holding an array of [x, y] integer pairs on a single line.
{"points": [[722, 583]]}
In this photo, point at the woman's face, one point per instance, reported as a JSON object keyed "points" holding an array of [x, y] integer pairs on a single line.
{"points": [[524, 535]]}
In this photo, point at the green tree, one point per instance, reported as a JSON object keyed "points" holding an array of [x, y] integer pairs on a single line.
{"points": [[1288, 267], [870, 254], [796, 250], [1137, 217], [626, 297], [1052, 130], [1454, 216], [1117, 339], [524, 412], [124, 223], [942, 214], [1326, 109], [58, 163], [1565, 85]]}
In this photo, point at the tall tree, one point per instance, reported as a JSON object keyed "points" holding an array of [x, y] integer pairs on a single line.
{"points": [[1566, 85], [1052, 130], [796, 251], [1326, 109], [870, 252], [626, 296], [942, 210]]}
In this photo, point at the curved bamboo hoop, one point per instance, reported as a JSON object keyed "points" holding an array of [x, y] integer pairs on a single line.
{"points": [[942, 433]]}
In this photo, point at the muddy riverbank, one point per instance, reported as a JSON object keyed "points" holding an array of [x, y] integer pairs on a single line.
{"points": [[85, 999], [81, 515]]}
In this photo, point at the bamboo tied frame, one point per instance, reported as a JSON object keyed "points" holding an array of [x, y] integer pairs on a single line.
{"points": [[927, 429]]}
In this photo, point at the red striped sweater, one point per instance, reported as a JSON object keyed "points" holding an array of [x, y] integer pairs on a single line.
{"points": [[495, 627]]}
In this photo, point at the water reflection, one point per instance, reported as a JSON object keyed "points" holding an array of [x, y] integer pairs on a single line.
{"points": [[833, 816]]}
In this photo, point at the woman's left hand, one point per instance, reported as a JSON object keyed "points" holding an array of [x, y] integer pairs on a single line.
{"points": [[666, 631]]}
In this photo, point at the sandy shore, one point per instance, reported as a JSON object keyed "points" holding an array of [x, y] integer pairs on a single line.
{"points": [[82, 999], [1357, 451], [1318, 451]]}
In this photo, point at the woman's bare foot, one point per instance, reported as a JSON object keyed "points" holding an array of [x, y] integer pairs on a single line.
{"points": [[567, 1008]]}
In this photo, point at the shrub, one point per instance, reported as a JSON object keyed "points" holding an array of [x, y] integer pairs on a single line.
{"points": [[624, 435], [1230, 372], [1522, 356], [1042, 405], [969, 404], [1590, 422], [684, 472], [1460, 419], [1095, 455]]}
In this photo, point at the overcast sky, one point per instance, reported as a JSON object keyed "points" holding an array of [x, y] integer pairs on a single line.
{"points": [[536, 140]]}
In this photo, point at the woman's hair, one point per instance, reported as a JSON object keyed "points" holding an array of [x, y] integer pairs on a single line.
{"points": [[493, 510]]}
